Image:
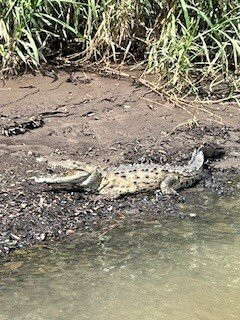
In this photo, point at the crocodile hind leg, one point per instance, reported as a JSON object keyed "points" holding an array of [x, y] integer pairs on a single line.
{"points": [[167, 185], [173, 182]]}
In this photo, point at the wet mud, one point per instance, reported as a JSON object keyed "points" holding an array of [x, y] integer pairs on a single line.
{"points": [[101, 121]]}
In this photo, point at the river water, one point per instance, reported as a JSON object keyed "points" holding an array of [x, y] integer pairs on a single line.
{"points": [[169, 269]]}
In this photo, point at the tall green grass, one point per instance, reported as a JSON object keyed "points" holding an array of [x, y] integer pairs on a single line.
{"points": [[184, 42], [31, 30]]}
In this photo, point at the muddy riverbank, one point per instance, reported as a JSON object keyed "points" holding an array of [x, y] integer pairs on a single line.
{"points": [[100, 120]]}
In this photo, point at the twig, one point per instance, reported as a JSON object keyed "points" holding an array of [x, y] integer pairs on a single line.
{"points": [[26, 95], [155, 102]]}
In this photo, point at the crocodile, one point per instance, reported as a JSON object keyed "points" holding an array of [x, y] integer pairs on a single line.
{"points": [[112, 182]]}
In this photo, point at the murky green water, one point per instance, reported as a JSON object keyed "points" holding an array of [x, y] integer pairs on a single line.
{"points": [[170, 269]]}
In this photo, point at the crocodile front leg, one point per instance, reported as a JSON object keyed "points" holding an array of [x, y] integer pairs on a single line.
{"points": [[93, 181], [168, 183]]}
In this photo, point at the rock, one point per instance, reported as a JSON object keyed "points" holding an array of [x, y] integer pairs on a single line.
{"points": [[70, 232], [13, 266]]}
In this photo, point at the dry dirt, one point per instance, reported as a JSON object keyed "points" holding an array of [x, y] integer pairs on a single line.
{"points": [[106, 120]]}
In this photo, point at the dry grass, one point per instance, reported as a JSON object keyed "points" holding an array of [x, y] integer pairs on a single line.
{"points": [[192, 47]]}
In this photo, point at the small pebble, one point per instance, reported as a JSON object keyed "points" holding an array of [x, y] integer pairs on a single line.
{"points": [[192, 214]]}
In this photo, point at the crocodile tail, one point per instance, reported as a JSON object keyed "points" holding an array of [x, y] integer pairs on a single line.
{"points": [[196, 161]]}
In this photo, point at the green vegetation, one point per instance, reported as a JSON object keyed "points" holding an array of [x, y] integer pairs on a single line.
{"points": [[32, 31], [185, 42]]}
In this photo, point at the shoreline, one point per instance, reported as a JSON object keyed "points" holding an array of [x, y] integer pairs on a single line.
{"points": [[102, 121]]}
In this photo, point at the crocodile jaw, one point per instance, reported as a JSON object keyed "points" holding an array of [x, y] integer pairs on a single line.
{"points": [[71, 176]]}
